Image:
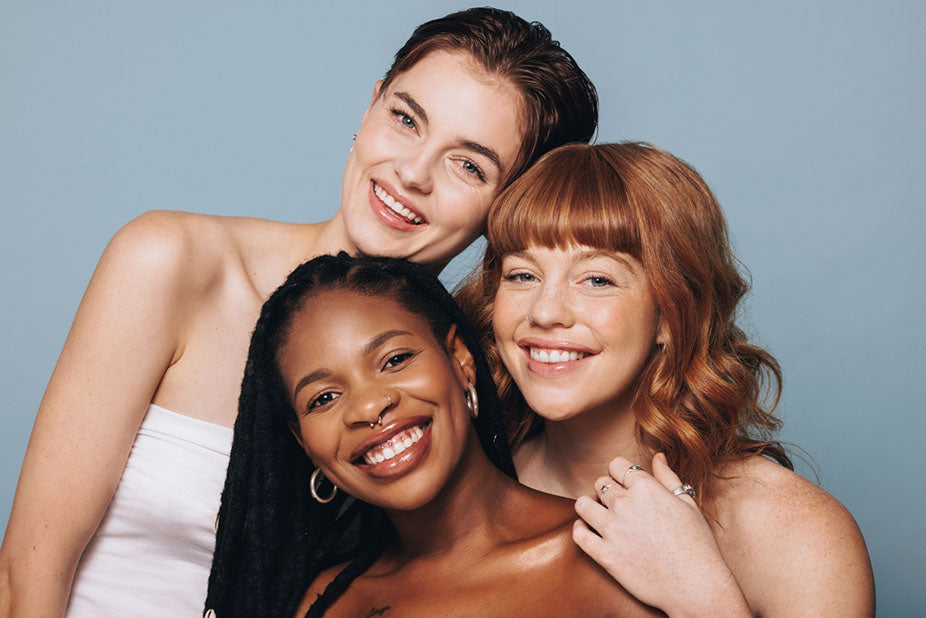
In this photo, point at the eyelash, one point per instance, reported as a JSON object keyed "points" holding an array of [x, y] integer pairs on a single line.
{"points": [[317, 400], [605, 281], [402, 356], [519, 277], [475, 171], [408, 121], [402, 116]]}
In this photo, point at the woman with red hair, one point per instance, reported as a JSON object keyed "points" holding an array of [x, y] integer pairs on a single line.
{"points": [[607, 302]]}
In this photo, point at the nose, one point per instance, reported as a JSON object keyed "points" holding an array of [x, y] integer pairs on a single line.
{"points": [[371, 406], [415, 168], [550, 306]]}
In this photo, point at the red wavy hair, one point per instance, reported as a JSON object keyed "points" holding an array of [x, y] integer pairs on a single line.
{"points": [[708, 396]]}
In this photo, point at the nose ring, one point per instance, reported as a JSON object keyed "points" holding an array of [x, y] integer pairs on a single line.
{"points": [[530, 320], [379, 418]]}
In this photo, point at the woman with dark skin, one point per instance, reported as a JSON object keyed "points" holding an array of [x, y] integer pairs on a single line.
{"points": [[470, 101], [365, 369], [607, 304]]}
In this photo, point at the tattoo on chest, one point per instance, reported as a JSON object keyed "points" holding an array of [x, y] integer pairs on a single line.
{"points": [[378, 611]]}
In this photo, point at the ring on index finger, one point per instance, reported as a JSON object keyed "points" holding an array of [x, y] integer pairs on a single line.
{"points": [[605, 488], [684, 489], [632, 468]]}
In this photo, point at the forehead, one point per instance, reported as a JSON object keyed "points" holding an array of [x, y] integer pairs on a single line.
{"points": [[339, 323], [460, 96]]}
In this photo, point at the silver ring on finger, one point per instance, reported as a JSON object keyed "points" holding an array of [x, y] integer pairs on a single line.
{"points": [[605, 488], [684, 489], [632, 468]]}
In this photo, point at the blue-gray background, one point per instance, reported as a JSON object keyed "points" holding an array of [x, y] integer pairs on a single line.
{"points": [[807, 118]]}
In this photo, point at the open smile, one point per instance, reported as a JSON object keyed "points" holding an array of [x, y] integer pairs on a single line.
{"points": [[395, 450], [393, 211], [553, 357]]}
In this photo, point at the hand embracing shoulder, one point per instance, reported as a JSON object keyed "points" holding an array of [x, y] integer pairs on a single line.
{"points": [[793, 548]]}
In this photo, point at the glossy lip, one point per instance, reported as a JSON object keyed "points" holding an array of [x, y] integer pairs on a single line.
{"points": [[406, 460], [388, 216], [553, 369]]}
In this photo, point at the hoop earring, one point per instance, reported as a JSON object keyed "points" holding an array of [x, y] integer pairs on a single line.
{"points": [[314, 491], [472, 401]]}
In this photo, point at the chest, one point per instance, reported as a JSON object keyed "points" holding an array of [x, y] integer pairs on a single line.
{"points": [[472, 594]]}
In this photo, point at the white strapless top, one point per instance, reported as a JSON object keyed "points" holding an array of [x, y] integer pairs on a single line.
{"points": [[152, 552]]}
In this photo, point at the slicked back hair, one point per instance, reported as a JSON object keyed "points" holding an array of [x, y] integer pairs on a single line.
{"points": [[559, 101], [273, 538]]}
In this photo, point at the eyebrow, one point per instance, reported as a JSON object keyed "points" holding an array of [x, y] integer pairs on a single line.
{"points": [[412, 103], [476, 147], [370, 346], [382, 338], [312, 377]]}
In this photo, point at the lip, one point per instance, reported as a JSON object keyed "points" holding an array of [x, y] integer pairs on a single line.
{"points": [[405, 461], [553, 369], [388, 216]]}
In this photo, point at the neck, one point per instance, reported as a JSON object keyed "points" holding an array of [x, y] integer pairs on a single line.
{"points": [[468, 515], [567, 457]]}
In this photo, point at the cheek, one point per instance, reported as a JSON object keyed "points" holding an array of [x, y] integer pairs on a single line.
{"points": [[466, 208]]}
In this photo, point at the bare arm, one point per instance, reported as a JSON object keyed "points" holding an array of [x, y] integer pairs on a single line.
{"points": [[124, 337]]}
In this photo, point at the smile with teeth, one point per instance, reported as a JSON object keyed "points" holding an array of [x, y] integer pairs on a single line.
{"points": [[396, 206], [394, 445], [547, 355]]}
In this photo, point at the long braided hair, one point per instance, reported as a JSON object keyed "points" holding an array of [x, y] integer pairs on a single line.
{"points": [[273, 539]]}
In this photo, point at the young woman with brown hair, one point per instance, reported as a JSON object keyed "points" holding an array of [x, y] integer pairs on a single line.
{"points": [[607, 303], [115, 507]]}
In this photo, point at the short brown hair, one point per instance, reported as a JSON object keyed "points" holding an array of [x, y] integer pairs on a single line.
{"points": [[560, 102]]}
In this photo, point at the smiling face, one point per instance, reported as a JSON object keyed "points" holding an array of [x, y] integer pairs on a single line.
{"points": [[431, 154], [351, 360], [574, 328]]}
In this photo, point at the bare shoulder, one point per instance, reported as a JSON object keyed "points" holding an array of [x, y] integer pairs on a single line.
{"points": [[192, 252], [790, 545]]}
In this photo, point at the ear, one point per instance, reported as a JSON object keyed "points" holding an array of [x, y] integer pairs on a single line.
{"points": [[461, 356], [376, 90]]}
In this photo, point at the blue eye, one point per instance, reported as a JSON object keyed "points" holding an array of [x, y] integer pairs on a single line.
{"points": [[471, 168], [520, 277], [404, 118], [599, 282]]}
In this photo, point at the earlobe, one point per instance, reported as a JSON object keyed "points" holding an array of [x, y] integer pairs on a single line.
{"points": [[461, 355]]}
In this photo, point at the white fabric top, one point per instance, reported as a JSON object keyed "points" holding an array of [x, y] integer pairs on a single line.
{"points": [[152, 553]]}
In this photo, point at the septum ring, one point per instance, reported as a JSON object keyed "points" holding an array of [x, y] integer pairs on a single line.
{"points": [[379, 419], [684, 489], [632, 468]]}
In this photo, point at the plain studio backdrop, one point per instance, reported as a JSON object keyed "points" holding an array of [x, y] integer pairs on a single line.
{"points": [[806, 118]]}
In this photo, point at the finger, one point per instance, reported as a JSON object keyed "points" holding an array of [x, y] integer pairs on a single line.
{"points": [[623, 470], [595, 515], [606, 485], [588, 541], [665, 475]]}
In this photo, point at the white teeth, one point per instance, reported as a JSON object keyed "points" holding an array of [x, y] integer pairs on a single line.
{"points": [[546, 355], [393, 446], [394, 205]]}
